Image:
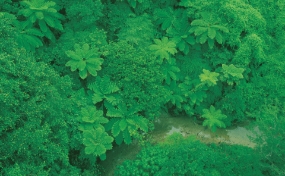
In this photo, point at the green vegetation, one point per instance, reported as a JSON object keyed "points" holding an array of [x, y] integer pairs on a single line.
{"points": [[85, 60], [178, 156], [80, 77]]}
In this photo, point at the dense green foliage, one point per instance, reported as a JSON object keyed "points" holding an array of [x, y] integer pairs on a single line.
{"points": [[78, 77], [178, 156]]}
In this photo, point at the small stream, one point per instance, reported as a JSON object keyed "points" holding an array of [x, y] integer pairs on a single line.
{"points": [[167, 125]]}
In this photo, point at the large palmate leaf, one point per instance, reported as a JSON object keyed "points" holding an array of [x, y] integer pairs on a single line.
{"points": [[194, 91], [170, 70], [44, 14], [91, 118], [29, 37], [121, 110], [163, 48], [213, 118], [209, 78], [95, 139], [197, 95], [91, 115], [125, 122], [164, 17], [179, 33], [84, 59], [231, 74], [233, 71], [176, 97], [97, 142], [123, 129], [104, 89], [208, 29]]}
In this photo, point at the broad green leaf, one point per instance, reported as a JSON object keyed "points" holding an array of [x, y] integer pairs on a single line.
{"points": [[233, 71], [72, 64], [219, 37], [43, 26], [190, 40], [85, 61], [89, 150], [83, 73], [96, 141], [208, 77], [142, 123], [213, 118], [203, 38], [104, 89], [165, 17], [85, 47], [93, 69], [221, 28], [123, 124], [163, 48], [73, 55], [81, 65], [199, 23], [91, 115], [97, 97], [108, 126], [100, 149], [119, 139], [103, 157], [116, 128], [211, 33], [200, 30], [127, 137], [39, 15], [42, 13], [211, 43], [34, 31]]}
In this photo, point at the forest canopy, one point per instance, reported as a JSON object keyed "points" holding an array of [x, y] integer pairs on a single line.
{"points": [[80, 77]]}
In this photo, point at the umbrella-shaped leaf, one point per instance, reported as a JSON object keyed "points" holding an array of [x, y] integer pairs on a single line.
{"points": [[163, 48], [213, 118], [84, 61], [208, 77], [90, 115], [96, 141], [103, 88]]}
